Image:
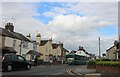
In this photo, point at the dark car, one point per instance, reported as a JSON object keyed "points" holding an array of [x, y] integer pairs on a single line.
{"points": [[13, 61]]}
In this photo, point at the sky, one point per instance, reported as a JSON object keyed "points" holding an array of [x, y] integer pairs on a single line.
{"points": [[73, 23]]}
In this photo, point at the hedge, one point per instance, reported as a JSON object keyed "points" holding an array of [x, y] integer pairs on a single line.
{"points": [[108, 63], [91, 62], [103, 60]]}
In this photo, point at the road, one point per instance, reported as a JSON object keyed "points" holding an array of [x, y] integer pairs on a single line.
{"points": [[44, 70]]}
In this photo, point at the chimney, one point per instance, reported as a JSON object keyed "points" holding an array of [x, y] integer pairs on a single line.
{"points": [[61, 44], [29, 37], [38, 38], [50, 39], [9, 26]]}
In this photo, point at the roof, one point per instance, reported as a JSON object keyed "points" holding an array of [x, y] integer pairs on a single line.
{"points": [[20, 36], [5, 32], [55, 45], [8, 50], [65, 50], [16, 35], [34, 53], [110, 48], [43, 42]]}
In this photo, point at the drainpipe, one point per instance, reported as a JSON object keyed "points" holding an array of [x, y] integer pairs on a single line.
{"points": [[21, 47]]}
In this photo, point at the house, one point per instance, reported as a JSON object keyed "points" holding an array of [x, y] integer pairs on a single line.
{"points": [[20, 42], [7, 40], [31, 54], [16, 40], [81, 51], [45, 48], [57, 52], [111, 53], [117, 53]]}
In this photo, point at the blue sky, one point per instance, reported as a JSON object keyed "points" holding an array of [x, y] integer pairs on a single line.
{"points": [[108, 30], [74, 23]]}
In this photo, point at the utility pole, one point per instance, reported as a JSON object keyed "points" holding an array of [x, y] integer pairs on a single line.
{"points": [[119, 48], [99, 48]]}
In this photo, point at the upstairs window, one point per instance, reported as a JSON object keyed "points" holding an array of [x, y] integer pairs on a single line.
{"points": [[14, 42], [25, 44]]}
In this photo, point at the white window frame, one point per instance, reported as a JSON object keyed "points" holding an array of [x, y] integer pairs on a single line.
{"points": [[25, 44], [14, 42]]}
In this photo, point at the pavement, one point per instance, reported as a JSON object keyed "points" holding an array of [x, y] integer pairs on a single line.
{"points": [[84, 72]]}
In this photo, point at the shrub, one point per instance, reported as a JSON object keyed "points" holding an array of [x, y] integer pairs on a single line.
{"points": [[108, 63], [91, 62], [103, 60]]}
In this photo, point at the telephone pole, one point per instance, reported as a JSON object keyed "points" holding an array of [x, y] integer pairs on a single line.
{"points": [[99, 48]]}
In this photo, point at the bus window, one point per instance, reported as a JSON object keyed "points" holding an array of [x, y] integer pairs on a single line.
{"points": [[69, 56], [77, 57]]}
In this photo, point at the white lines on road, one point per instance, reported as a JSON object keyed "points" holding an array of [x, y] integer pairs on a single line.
{"points": [[70, 72]]}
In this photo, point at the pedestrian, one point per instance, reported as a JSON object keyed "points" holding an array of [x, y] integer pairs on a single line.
{"points": [[35, 61]]}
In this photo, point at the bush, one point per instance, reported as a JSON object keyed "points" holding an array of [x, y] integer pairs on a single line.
{"points": [[103, 60], [91, 62], [108, 63]]}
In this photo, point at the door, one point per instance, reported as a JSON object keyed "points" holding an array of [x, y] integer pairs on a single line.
{"points": [[21, 61]]}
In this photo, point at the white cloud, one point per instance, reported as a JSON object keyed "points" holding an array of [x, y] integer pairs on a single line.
{"points": [[71, 29], [23, 14], [106, 10], [73, 23]]}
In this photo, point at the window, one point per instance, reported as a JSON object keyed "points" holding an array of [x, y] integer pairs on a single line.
{"points": [[21, 58], [24, 55], [14, 58], [25, 44], [8, 58], [34, 46], [14, 42]]}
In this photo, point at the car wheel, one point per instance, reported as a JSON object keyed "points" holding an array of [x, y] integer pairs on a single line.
{"points": [[28, 67], [9, 67]]}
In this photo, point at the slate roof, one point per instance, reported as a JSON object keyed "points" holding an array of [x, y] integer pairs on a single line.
{"points": [[20, 36], [5, 32], [43, 42]]}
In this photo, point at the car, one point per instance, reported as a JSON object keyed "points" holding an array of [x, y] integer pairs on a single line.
{"points": [[13, 61]]}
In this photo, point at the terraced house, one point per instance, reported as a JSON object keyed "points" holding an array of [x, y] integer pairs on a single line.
{"points": [[57, 52], [14, 40], [46, 50]]}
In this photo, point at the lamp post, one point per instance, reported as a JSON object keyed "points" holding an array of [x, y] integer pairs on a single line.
{"points": [[99, 48]]}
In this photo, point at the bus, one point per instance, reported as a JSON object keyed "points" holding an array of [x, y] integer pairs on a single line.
{"points": [[74, 59]]}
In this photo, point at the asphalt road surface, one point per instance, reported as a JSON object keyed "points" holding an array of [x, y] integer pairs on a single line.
{"points": [[44, 70]]}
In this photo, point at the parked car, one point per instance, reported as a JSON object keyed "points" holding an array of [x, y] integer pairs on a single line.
{"points": [[13, 61]]}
